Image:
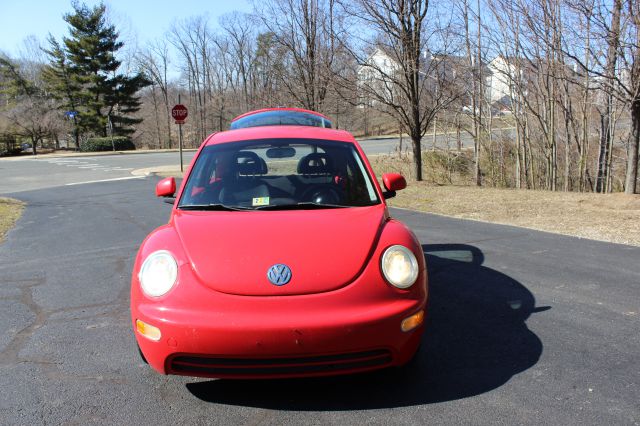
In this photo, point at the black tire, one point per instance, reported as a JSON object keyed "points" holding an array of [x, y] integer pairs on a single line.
{"points": [[142, 355]]}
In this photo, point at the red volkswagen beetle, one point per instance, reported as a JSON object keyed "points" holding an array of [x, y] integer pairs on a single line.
{"points": [[280, 259]]}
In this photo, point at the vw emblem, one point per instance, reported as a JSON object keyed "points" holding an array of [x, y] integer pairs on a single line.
{"points": [[279, 274]]}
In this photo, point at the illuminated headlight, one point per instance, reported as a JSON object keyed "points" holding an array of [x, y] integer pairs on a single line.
{"points": [[399, 266], [158, 273]]}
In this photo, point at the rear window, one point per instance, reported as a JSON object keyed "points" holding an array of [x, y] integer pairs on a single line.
{"points": [[281, 118]]}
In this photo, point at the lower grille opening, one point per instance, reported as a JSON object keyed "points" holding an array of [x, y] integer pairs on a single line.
{"points": [[238, 367]]}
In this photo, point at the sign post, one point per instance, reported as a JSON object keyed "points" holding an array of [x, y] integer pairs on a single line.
{"points": [[180, 113], [73, 115], [110, 132]]}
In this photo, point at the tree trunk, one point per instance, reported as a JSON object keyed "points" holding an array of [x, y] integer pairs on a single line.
{"points": [[608, 165], [603, 153], [480, 94], [610, 70], [417, 156], [458, 136], [632, 157], [567, 154], [435, 124], [518, 172], [157, 117]]}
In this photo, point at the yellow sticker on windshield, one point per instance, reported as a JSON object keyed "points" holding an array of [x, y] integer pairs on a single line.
{"points": [[260, 201]]}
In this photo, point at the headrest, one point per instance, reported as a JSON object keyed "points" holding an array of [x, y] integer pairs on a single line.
{"points": [[249, 163], [315, 164]]}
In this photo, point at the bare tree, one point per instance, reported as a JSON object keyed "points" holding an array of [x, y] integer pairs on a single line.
{"points": [[476, 65], [191, 38], [613, 41], [415, 82], [154, 61], [30, 111], [239, 30], [623, 58], [306, 29]]}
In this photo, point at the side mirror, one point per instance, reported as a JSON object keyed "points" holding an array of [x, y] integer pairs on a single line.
{"points": [[393, 182], [166, 187]]}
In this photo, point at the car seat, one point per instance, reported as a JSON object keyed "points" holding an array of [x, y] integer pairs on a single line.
{"points": [[243, 183]]}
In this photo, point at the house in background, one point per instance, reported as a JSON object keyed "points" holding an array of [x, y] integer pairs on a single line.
{"points": [[500, 80], [375, 78], [505, 75]]}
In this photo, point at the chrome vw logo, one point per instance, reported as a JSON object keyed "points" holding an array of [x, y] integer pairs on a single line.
{"points": [[279, 274]]}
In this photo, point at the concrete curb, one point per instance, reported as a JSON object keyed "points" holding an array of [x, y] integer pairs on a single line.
{"points": [[153, 171]]}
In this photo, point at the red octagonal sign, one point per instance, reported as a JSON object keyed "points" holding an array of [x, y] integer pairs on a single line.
{"points": [[179, 113]]}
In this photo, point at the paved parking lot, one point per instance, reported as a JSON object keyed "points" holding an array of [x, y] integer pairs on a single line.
{"points": [[524, 327]]}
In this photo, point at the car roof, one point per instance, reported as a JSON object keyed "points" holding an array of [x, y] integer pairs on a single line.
{"points": [[280, 117], [258, 111], [279, 132]]}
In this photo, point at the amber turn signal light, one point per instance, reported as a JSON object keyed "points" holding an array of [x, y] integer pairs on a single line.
{"points": [[148, 331], [413, 321]]}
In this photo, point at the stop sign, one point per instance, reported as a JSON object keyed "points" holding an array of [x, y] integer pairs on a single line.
{"points": [[179, 113]]}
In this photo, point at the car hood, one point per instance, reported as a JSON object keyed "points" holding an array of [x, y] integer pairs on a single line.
{"points": [[232, 252]]}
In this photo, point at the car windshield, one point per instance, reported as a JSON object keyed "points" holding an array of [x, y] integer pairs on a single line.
{"points": [[280, 118], [278, 174]]}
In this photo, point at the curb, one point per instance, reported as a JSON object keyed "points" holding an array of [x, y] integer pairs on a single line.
{"points": [[154, 171]]}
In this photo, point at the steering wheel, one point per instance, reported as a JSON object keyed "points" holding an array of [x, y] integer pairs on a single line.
{"points": [[322, 194]]}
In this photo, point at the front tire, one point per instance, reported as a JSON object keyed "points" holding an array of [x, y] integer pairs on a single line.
{"points": [[142, 355]]}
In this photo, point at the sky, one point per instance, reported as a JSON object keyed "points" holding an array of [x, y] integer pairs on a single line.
{"points": [[141, 20]]}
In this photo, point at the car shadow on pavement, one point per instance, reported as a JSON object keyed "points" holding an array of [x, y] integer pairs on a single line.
{"points": [[475, 340]]}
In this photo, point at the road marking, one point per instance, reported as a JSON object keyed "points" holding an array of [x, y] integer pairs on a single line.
{"points": [[105, 180]]}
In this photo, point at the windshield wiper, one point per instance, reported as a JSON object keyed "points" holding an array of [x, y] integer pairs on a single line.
{"points": [[301, 206], [211, 207]]}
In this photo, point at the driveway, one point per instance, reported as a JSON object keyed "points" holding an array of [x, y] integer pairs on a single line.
{"points": [[524, 327]]}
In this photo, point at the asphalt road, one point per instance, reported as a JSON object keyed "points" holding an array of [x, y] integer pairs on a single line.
{"points": [[43, 171], [524, 327], [442, 141]]}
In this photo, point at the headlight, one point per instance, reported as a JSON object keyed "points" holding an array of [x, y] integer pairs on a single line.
{"points": [[158, 273], [399, 266]]}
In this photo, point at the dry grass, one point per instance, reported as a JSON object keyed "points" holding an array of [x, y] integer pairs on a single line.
{"points": [[610, 217], [10, 211]]}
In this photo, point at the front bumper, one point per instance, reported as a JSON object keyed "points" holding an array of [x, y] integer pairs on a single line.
{"points": [[208, 333], [255, 337]]}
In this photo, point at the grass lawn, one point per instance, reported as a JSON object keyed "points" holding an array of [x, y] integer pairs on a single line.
{"points": [[10, 211], [607, 217]]}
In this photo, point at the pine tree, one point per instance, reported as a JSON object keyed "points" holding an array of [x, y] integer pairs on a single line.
{"points": [[84, 72], [58, 78]]}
